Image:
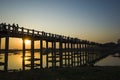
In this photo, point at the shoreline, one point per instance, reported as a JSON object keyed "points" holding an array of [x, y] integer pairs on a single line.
{"points": [[77, 73]]}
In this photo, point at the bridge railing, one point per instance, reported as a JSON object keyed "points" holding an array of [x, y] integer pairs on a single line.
{"points": [[31, 32], [24, 31]]}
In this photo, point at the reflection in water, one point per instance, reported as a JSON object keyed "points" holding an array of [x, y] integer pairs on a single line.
{"points": [[1, 60], [15, 60], [109, 61]]}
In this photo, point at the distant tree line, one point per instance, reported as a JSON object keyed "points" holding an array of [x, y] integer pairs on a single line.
{"points": [[112, 46]]}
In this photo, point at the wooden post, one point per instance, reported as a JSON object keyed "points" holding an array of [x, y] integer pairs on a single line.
{"points": [[90, 53], [32, 50], [86, 53], [77, 54], [80, 54], [0, 43], [65, 55], [23, 55], [47, 54], [83, 53], [74, 53], [72, 61], [52, 55], [6, 53], [68, 55], [32, 53], [41, 53], [60, 51]]}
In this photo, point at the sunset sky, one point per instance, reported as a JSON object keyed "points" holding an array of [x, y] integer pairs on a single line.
{"points": [[94, 20]]}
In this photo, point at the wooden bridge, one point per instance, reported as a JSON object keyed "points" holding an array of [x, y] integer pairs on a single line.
{"points": [[60, 51]]}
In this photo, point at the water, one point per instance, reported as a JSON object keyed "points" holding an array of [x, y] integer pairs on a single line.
{"points": [[109, 61], [15, 60]]}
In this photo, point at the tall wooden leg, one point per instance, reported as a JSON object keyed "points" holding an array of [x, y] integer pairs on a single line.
{"points": [[23, 55], [32, 54], [47, 54], [41, 53], [6, 53]]}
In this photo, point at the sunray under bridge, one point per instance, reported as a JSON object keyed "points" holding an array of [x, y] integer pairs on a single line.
{"points": [[61, 51]]}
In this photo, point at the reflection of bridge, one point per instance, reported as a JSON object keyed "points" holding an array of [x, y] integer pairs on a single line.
{"points": [[63, 51]]}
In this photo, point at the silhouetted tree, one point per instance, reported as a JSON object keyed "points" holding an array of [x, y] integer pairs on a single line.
{"points": [[110, 44], [118, 41]]}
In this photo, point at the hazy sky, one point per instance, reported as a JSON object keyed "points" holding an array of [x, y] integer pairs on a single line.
{"points": [[94, 20]]}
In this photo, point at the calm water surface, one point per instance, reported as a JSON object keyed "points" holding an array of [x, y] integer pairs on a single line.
{"points": [[109, 61], [15, 60]]}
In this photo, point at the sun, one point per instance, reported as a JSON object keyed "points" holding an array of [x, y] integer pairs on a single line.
{"points": [[27, 41]]}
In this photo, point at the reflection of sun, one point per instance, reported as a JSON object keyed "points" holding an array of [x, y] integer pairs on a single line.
{"points": [[27, 59], [27, 41]]}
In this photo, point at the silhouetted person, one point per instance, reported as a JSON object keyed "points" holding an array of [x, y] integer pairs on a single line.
{"points": [[1, 26], [4, 26], [16, 28], [13, 27]]}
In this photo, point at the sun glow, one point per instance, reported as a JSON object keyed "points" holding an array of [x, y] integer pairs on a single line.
{"points": [[27, 41]]}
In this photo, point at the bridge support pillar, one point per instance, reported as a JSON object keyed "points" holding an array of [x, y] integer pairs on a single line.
{"points": [[6, 53], [86, 53], [77, 54], [41, 54], [47, 52], [83, 53], [73, 55], [0, 49], [60, 52], [0, 43], [54, 54], [80, 53], [68, 55], [32, 53], [65, 55], [82, 57], [88, 50], [23, 55]]}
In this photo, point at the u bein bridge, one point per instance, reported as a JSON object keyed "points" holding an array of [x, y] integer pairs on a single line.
{"points": [[60, 51]]}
